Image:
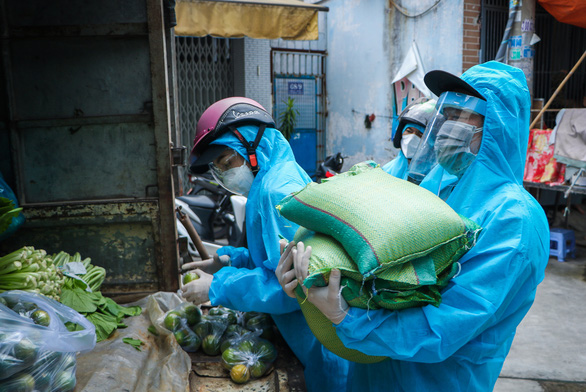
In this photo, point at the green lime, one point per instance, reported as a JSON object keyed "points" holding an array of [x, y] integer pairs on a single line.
{"points": [[172, 320], [190, 277], [41, 317]]}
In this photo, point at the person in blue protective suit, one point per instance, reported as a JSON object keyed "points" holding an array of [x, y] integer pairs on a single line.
{"points": [[236, 139], [410, 128], [411, 125], [462, 344]]}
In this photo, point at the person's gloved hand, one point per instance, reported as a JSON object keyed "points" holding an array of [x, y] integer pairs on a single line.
{"points": [[211, 266], [327, 299], [197, 291], [286, 274]]}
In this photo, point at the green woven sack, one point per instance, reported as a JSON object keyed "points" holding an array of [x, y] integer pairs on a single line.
{"points": [[380, 220], [325, 332], [413, 283]]}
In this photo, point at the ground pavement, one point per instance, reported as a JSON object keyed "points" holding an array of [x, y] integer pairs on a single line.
{"points": [[549, 350]]}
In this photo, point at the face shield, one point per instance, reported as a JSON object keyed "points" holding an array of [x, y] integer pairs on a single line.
{"points": [[452, 137], [232, 173]]}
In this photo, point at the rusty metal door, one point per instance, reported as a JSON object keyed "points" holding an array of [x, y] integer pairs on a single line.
{"points": [[87, 108]]}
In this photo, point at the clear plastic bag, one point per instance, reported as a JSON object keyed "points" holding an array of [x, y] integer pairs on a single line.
{"points": [[180, 321], [37, 351], [249, 356]]}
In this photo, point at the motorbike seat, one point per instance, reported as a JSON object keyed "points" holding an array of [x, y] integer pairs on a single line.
{"points": [[198, 201]]}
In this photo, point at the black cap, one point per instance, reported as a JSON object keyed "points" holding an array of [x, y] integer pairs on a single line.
{"points": [[441, 81], [200, 164]]}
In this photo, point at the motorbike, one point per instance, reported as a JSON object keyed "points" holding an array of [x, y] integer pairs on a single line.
{"points": [[331, 166], [216, 214]]}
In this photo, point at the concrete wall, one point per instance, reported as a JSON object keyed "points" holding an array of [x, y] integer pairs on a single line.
{"points": [[367, 42], [252, 70]]}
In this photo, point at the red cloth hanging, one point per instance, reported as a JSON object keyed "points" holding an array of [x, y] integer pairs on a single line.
{"points": [[540, 165], [567, 11]]}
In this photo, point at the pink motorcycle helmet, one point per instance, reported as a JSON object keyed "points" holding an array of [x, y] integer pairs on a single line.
{"points": [[221, 117]]}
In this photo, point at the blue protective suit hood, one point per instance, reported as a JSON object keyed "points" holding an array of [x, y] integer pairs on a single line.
{"points": [[250, 284], [462, 344]]}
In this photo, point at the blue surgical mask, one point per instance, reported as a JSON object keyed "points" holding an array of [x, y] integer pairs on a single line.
{"points": [[238, 179], [452, 146]]}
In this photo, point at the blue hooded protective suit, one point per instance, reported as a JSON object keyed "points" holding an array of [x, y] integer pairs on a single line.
{"points": [[462, 344], [438, 181], [397, 167], [250, 284]]}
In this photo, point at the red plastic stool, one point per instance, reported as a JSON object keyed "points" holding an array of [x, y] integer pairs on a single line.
{"points": [[561, 243]]}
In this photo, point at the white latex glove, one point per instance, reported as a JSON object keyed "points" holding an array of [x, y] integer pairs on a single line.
{"points": [[197, 291], [211, 266], [285, 273], [327, 299]]}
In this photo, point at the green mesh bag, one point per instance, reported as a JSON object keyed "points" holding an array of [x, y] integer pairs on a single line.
{"points": [[380, 220]]}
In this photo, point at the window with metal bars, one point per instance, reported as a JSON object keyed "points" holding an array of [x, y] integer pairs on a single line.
{"points": [[204, 75]]}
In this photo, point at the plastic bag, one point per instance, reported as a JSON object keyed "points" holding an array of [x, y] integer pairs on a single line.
{"points": [[181, 320], [37, 351], [250, 357], [16, 221]]}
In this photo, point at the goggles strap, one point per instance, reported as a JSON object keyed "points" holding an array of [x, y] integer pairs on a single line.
{"points": [[251, 146]]}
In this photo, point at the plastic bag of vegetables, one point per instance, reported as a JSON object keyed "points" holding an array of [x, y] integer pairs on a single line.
{"points": [[37, 351], [250, 357], [181, 320]]}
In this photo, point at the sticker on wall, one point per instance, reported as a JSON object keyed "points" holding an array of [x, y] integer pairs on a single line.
{"points": [[515, 54], [516, 41], [528, 25], [295, 88], [528, 51]]}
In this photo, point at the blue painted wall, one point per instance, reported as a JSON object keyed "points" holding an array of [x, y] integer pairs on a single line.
{"points": [[366, 43]]}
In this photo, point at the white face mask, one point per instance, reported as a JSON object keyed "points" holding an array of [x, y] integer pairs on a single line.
{"points": [[409, 144], [238, 179]]}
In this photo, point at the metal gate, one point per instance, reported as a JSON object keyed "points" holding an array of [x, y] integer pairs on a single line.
{"points": [[300, 75], [556, 53], [205, 75]]}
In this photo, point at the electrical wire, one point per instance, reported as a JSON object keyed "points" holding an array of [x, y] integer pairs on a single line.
{"points": [[408, 15]]}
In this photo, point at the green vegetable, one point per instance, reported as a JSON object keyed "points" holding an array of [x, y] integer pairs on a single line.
{"points": [[64, 381], [92, 278], [261, 322], [32, 270], [136, 343], [192, 314], [226, 313], [103, 312], [172, 320], [25, 350], [9, 364], [231, 357], [7, 213], [265, 350], [211, 345], [203, 328], [3, 301], [41, 317], [21, 383], [258, 369], [187, 339]]}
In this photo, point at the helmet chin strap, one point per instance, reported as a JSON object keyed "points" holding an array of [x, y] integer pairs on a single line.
{"points": [[251, 146]]}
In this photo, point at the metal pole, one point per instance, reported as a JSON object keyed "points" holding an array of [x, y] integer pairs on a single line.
{"points": [[521, 52]]}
